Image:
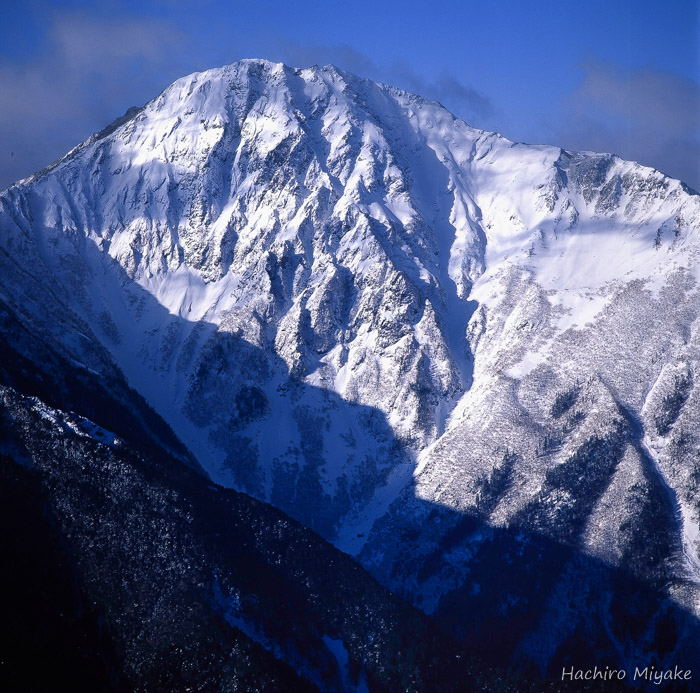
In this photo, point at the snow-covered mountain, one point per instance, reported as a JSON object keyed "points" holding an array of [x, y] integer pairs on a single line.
{"points": [[446, 352]]}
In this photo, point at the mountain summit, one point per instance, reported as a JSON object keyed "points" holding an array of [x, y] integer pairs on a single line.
{"points": [[450, 354]]}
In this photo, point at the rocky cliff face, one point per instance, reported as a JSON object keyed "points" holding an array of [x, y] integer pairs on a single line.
{"points": [[434, 346]]}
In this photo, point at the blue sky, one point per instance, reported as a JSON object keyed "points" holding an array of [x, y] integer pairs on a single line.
{"points": [[614, 75]]}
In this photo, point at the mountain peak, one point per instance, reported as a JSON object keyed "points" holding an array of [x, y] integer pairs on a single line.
{"points": [[392, 326]]}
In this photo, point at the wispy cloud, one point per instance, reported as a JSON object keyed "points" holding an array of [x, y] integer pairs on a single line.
{"points": [[91, 71], [461, 98], [308, 54], [642, 114]]}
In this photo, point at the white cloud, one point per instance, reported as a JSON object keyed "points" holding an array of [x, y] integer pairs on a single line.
{"points": [[462, 99], [641, 114], [92, 71]]}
